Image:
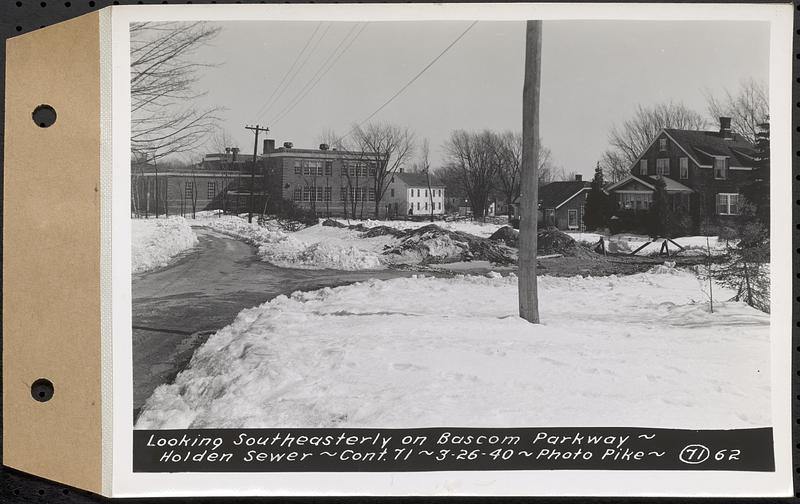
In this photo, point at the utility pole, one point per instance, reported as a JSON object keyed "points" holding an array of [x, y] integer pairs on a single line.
{"points": [[155, 166], [256, 129], [528, 295]]}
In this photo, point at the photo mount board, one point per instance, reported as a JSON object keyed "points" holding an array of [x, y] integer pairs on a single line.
{"points": [[51, 263], [49, 444]]}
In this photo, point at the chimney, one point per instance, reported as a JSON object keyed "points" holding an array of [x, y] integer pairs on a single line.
{"points": [[401, 170], [725, 128], [269, 145], [288, 145], [578, 177], [234, 152]]}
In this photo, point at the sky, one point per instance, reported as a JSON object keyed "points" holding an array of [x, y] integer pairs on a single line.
{"points": [[594, 75]]}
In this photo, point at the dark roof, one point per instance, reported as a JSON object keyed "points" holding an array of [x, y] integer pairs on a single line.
{"points": [[417, 179], [556, 193], [703, 144]]}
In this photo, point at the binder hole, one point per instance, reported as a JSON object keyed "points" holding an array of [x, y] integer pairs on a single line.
{"points": [[42, 390], [44, 116]]}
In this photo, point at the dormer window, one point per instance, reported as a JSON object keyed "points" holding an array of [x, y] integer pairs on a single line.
{"points": [[720, 168], [643, 167], [662, 144]]}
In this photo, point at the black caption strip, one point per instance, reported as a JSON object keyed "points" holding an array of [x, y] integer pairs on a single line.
{"points": [[451, 449]]}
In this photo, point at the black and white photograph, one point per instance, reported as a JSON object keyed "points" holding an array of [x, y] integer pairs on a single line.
{"points": [[473, 223]]}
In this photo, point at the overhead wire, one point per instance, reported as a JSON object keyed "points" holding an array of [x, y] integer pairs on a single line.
{"points": [[330, 62], [266, 108]]}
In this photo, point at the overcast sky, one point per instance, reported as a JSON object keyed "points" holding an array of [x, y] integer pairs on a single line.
{"points": [[594, 74]]}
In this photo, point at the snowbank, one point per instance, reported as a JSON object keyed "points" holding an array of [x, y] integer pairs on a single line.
{"points": [[156, 241], [315, 247], [639, 350]]}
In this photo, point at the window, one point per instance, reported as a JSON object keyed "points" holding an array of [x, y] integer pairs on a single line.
{"points": [[343, 193], [572, 219], [426, 193], [417, 196], [551, 217], [297, 194], [720, 168], [189, 189], [298, 167], [327, 195], [313, 168], [636, 200], [306, 194], [662, 144], [391, 192], [372, 169], [727, 204], [684, 167], [643, 167], [440, 193], [440, 205], [418, 205], [426, 205], [662, 166], [212, 190], [371, 194], [328, 168]]}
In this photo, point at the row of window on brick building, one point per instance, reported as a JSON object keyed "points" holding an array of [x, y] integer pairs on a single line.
{"points": [[311, 193], [325, 168]]}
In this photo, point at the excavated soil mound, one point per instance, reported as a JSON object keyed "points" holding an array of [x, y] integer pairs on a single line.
{"points": [[553, 241], [383, 231], [507, 235], [333, 223], [431, 245]]}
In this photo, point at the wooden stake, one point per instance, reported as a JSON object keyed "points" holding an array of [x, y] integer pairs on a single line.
{"points": [[528, 295]]}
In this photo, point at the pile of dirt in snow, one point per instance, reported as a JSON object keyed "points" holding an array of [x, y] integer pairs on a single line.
{"points": [[553, 241], [333, 223], [383, 231], [507, 235], [433, 245], [550, 241]]}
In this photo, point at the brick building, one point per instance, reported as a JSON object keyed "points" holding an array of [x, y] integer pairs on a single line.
{"points": [[326, 181]]}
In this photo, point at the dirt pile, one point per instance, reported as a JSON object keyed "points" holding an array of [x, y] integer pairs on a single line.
{"points": [[507, 235], [433, 245], [333, 223], [382, 231]]}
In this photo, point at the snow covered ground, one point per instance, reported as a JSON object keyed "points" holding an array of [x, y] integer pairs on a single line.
{"points": [[156, 241], [639, 350]]}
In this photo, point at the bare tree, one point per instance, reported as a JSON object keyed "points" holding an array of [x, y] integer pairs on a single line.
{"points": [[425, 167], [164, 119], [474, 156], [748, 108], [614, 164], [634, 135], [389, 147]]}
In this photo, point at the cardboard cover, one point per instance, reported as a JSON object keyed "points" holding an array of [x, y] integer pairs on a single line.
{"points": [[51, 268]]}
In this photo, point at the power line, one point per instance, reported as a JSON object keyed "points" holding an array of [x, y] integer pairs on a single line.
{"points": [[297, 70], [296, 60], [413, 79], [321, 72]]}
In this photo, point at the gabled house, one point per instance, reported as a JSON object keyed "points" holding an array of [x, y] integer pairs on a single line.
{"points": [[410, 194], [561, 204], [703, 172]]}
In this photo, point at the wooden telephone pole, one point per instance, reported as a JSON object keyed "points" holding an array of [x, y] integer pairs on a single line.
{"points": [[528, 294], [256, 129]]}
